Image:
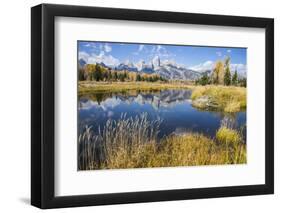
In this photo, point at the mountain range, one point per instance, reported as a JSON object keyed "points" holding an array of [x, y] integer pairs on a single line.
{"points": [[167, 69]]}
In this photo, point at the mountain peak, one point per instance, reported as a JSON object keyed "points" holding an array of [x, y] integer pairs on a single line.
{"points": [[81, 63], [156, 61], [168, 69]]}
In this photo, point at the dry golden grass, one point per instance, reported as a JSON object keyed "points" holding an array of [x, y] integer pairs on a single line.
{"points": [[90, 86], [228, 136], [225, 98], [232, 140], [132, 143]]}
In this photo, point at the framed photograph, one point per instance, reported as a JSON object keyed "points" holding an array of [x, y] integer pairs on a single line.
{"points": [[139, 106]]}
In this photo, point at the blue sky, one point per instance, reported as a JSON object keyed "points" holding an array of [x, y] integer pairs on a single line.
{"points": [[196, 57]]}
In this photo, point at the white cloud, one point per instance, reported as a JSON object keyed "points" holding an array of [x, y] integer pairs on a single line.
{"points": [[208, 65], [161, 52], [219, 54], [102, 57], [170, 61], [89, 44], [107, 48], [229, 51], [107, 59], [153, 50], [141, 47], [101, 53], [159, 47], [83, 55], [241, 68]]}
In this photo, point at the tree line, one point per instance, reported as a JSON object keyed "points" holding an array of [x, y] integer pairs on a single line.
{"points": [[221, 75], [96, 72]]}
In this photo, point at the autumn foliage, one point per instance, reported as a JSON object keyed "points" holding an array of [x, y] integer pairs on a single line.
{"points": [[95, 72]]}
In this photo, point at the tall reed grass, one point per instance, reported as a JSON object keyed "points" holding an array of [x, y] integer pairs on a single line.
{"points": [[133, 143], [119, 144]]}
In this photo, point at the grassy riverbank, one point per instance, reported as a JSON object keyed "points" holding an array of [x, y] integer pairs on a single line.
{"points": [[90, 86], [222, 98], [133, 143]]}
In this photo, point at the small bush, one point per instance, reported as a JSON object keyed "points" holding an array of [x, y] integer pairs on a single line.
{"points": [[228, 136]]}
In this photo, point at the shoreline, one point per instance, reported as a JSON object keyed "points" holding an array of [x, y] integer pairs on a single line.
{"points": [[88, 86], [121, 145], [209, 97]]}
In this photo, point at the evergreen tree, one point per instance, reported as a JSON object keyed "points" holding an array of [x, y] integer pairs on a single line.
{"points": [[115, 76], [97, 75], [235, 78], [163, 79], [105, 75], [110, 75], [243, 82], [81, 76], [227, 74], [121, 76], [204, 80], [138, 77], [227, 77]]}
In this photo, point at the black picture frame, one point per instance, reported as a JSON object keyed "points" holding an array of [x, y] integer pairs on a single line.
{"points": [[43, 117]]}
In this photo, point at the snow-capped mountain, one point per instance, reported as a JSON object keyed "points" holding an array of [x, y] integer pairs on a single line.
{"points": [[103, 65], [81, 63], [127, 66], [147, 68], [175, 72], [156, 61], [167, 69]]}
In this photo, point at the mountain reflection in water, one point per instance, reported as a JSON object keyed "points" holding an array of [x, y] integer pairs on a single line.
{"points": [[173, 107]]}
